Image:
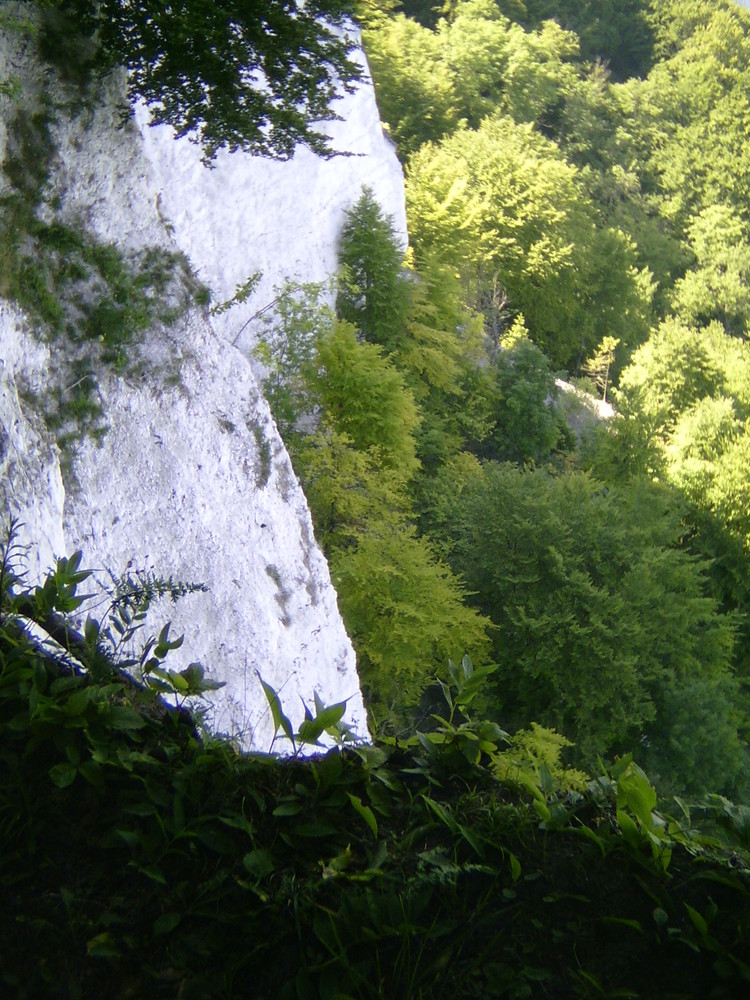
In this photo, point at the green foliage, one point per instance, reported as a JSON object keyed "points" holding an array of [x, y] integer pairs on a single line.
{"points": [[502, 204], [689, 117], [527, 427], [372, 291], [599, 366], [350, 421], [443, 357], [717, 287], [327, 720], [286, 349], [349, 489], [363, 395], [692, 386], [617, 32], [414, 89], [257, 77], [405, 869], [422, 319], [242, 293], [473, 64], [595, 605], [405, 612], [676, 367], [686, 391], [534, 751], [315, 360], [708, 456]]}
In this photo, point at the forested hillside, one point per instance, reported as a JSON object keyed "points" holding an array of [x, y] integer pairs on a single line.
{"points": [[577, 197], [549, 609]]}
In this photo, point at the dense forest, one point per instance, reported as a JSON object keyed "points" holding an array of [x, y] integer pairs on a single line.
{"points": [[539, 594], [577, 196]]}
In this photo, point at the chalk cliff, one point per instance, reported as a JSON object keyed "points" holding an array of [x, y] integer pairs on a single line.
{"points": [[192, 478]]}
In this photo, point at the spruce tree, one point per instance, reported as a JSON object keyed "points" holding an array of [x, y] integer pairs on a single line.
{"points": [[373, 293]]}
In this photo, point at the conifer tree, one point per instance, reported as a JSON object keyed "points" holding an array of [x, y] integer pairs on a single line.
{"points": [[373, 294]]}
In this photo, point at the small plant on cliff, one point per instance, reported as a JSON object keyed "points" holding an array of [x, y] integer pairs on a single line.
{"points": [[89, 300]]}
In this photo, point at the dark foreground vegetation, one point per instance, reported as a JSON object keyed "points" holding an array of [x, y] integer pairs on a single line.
{"points": [[141, 859], [577, 179]]}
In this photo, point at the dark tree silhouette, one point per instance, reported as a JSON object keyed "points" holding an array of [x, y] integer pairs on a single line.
{"points": [[257, 75]]}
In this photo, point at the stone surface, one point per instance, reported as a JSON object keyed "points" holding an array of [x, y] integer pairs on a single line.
{"points": [[31, 486], [192, 479], [248, 215]]}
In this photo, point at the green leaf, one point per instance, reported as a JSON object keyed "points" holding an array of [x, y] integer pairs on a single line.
{"points": [[62, 684], [78, 702], [258, 863], [630, 831], [122, 718], [280, 721], [288, 809], [63, 775], [446, 693], [542, 810], [311, 729], [164, 644], [636, 791], [586, 831], [428, 741], [91, 631], [92, 772], [442, 813], [698, 921], [515, 866], [471, 839], [194, 675], [546, 781], [103, 946], [152, 872], [19, 722], [166, 922], [365, 812], [625, 922], [453, 671], [175, 679], [379, 855], [338, 864], [319, 704]]}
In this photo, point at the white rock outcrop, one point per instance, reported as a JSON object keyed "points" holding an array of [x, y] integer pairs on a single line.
{"points": [[248, 215], [192, 479], [31, 486]]}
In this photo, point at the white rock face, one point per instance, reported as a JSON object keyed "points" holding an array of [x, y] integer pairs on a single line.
{"points": [[192, 479], [248, 215], [31, 487]]}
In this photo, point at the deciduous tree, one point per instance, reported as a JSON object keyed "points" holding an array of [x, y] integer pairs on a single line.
{"points": [[258, 75]]}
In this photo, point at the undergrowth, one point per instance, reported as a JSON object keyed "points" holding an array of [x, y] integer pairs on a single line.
{"points": [[143, 859]]}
